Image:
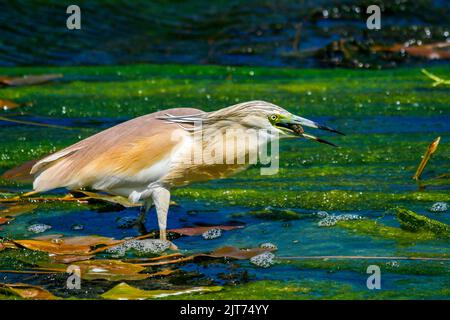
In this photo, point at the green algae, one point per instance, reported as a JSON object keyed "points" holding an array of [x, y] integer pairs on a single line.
{"points": [[133, 90], [273, 214], [414, 222], [19, 259], [378, 230], [399, 266], [323, 200], [311, 289]]}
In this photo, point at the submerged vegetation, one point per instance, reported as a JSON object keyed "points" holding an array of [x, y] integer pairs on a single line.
{"points": [[389, 117]]}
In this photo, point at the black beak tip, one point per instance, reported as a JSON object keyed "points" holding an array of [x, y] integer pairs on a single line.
{"points": [[331, 130], [326, 142]]}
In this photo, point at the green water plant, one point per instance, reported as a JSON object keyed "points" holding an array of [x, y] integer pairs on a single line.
{"points": [[417, 223]]}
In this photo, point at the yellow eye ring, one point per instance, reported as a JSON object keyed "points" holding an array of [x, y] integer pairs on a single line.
{"points": [[274, 117]]}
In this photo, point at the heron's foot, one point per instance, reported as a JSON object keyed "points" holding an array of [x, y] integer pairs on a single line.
{"points": [[163, 237], [173, 246]]}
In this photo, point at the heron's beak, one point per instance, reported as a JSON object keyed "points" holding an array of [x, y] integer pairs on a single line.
{"points": [[295, 125]]}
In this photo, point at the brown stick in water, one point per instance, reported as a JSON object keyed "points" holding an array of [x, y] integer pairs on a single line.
{"points": [[431, 149]]}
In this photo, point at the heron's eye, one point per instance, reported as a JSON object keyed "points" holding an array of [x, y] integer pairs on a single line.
{"points": [[273, 117]]}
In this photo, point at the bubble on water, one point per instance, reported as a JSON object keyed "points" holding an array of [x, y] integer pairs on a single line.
{"points": [[39, 228], [393, 264], [322, 214], [153, 246], [263, 260], [439, 207], [331, 220], [77, 227], [268, 245], [213, 233], [126, 222]]}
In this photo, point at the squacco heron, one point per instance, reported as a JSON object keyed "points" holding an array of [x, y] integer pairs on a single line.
{"points": [[144, 158]]}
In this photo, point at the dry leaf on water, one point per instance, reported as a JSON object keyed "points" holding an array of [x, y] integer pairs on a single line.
{"points": [[71, 245], [195, 231], [8, 104], [26, 198], [7, 245], [16, 210], [5, 220], [9, 214], [124, 291], [433, 51], [236, 253], [224, 252], [69, 258], [112, 270], [27, 291]]}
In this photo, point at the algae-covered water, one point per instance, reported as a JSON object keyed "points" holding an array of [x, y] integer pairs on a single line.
{"points": [[389, 117]]}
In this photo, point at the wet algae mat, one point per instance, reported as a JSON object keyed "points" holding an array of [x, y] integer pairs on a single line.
{"points": [[389, 118]]}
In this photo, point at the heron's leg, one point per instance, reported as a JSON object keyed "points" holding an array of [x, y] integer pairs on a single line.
{"points": [[161, 199], [143, 211], [140, 222]]}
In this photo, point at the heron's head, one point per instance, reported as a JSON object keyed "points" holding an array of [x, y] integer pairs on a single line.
{"points": [[265, 115]]}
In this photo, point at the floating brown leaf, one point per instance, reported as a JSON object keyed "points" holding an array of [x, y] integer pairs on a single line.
{"points": [[5, 220], [164, 257], [170, 261], [28, 80], [7, 245], [70, 258], [26, 198], [8, 104], [15, 210], [112, 270], [236, 253], [27, 291], [428, 51], [72, 245], [195, 231]]}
